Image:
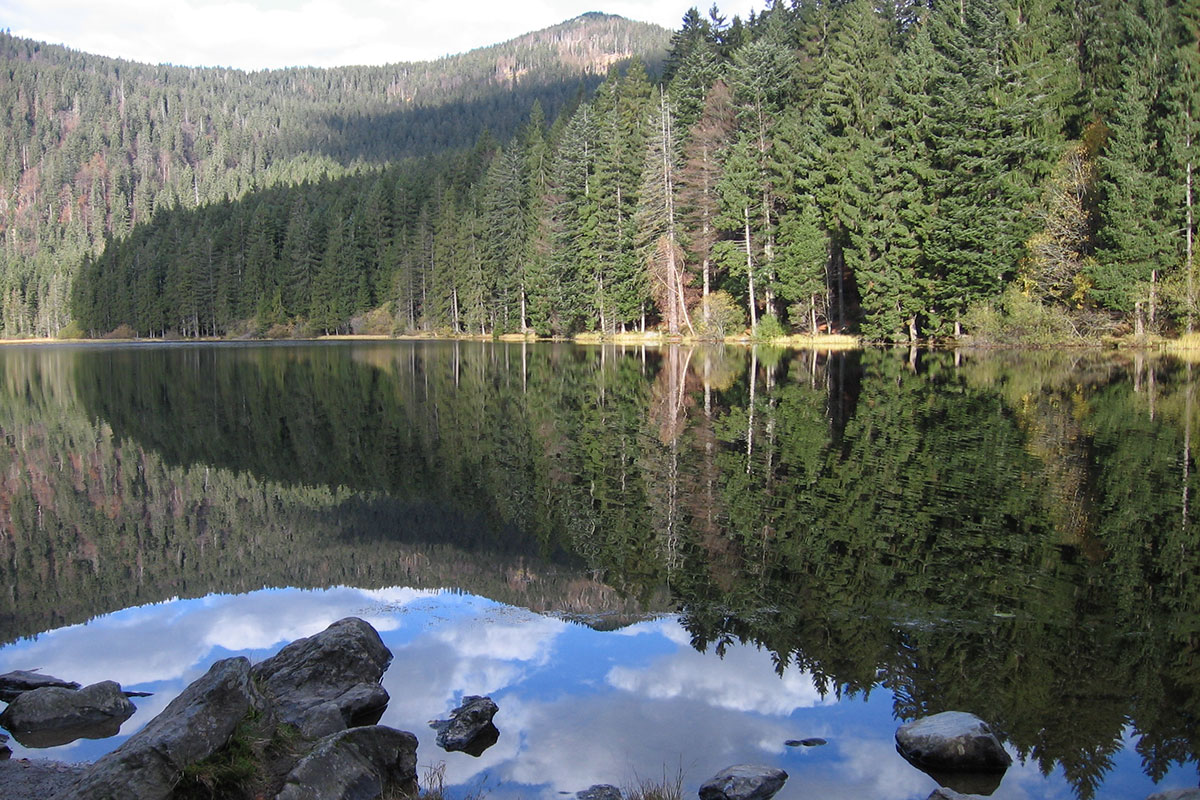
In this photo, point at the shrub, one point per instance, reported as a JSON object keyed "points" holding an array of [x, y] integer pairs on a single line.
{"points": [[122, 331], [718, 316], [71, 331], [1017, 319], [376, 322], [769, 327]]}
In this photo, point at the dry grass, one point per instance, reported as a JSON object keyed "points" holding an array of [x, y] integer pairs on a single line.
{"points": [[433, 785], [1188, 341], [669, 788], [822, 341]]}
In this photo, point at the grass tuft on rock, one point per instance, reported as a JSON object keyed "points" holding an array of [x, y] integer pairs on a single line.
{"points": [[252, 764]]}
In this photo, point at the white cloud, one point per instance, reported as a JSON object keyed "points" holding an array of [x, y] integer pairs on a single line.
{"points": [[744, 680], [128, 646], [258, 34]]}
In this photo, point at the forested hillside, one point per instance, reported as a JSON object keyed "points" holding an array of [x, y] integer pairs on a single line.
{"points": [[91, 148], [1011, 169]]}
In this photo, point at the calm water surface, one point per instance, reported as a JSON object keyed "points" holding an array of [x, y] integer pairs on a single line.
{"points": [[653, 560]]}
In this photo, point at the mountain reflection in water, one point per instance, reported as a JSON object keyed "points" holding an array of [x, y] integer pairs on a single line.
{"points": [[850, 541]]}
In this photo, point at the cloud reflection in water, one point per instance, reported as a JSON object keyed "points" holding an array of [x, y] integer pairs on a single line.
{"points": [[577, 706]]}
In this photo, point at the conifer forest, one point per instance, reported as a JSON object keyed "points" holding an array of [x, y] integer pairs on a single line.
{"points": [[902, 170]]}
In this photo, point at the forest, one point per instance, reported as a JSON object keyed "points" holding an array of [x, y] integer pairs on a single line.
{"points": [[1006, 170], [92, 148]]}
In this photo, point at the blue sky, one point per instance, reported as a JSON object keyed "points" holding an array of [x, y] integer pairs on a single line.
{"points": [[262, 34]]}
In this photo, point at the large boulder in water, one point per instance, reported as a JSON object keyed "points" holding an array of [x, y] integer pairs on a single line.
{"points": [[744, 782], [469, 729], [328, 681], [54, 715], [23, 680], [953, 741], [355, 764], [195, 725]]}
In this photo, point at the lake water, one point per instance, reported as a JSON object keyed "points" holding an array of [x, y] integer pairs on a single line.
{"points": [[655, 561]]}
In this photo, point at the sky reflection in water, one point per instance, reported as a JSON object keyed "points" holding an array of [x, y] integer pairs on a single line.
{"points": [[577, 706]]}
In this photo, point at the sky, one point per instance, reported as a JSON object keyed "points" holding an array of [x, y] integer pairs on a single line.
{"points": [[266, 34]]}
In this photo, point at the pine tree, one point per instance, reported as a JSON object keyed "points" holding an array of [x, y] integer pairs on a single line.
{"points": [[1135, 246], [657, 224], [800, 263], [699, 203], [740, 192]]}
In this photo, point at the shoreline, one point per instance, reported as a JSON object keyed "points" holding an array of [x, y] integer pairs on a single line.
{"points": [[1184, 345]]}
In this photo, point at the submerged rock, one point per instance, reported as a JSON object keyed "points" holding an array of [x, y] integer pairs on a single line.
{"points": [[601, 791], [744, 782], [953, 741], [54, 715], [469, 728], [193, 727], [23, 680], [313, 681], [944, 793], [355, 764]]}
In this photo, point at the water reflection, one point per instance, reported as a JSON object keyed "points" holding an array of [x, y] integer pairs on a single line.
{"points": [[1009, 535], [577, 706]]}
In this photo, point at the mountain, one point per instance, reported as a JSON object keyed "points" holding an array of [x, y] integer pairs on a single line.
{"points": [[92, 146]]}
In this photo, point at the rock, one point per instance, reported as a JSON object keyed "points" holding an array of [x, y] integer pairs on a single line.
{"points": [[22, 680], [194, 726], [1176, 794], [469, 728], [953, 741], [744, 782], [813, 742], [30, 778], [355, 764], [342, 664], [943, 793], [53, 715], [601, 791]]}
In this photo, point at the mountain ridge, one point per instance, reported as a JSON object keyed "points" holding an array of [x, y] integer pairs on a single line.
{"points": [[91, 145]]}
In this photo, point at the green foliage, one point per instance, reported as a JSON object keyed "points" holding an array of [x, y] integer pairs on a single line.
{"points": [[769, 328], [838, 165]]}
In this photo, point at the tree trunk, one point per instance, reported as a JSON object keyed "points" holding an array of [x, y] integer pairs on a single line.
{"points": [[750, 271], [1190, 264]]}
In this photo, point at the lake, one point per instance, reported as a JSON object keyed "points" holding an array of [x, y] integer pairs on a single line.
{"points": [[656, 561]]}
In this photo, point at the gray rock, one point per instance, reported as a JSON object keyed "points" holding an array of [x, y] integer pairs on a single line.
{"points": [[953, 741], [33, 778], [744, 782], [53, 715], [1176, 794], [23, 680], [943, 793], [355, 764], [342, 664], [469, 728], [194, 726], [601, 791]]}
